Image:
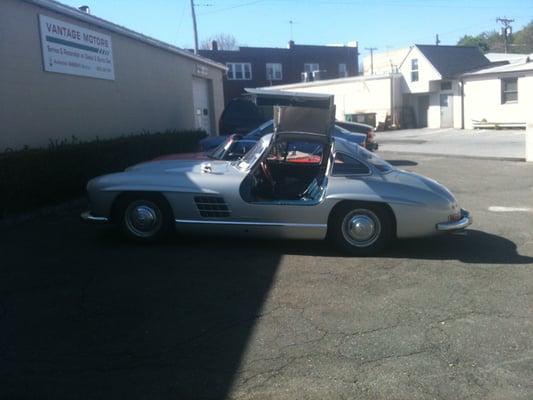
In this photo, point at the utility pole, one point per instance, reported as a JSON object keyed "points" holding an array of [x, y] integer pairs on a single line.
{"points": [[507, 30], [437, 40], [371, 49], [194, 28]]}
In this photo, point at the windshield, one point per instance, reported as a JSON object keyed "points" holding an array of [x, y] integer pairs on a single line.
{"points": [[262, 130], [221, 149], [253, 155]]}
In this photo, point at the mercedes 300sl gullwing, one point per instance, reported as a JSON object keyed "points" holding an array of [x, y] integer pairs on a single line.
{"points": [[298, 182]]}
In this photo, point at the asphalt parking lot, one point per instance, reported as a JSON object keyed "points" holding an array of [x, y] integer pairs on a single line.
{"points": [[86, 315]]}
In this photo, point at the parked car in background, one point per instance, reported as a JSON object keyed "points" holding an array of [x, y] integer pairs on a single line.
{"points": [[368, 130], [235, 146], [298, 182], [242, 116]]}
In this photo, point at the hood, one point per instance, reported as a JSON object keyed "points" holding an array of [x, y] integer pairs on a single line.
{"points": [[179, 166], [202, 155]]}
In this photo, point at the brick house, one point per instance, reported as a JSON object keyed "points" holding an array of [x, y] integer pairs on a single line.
{"points": [[264, 66]]}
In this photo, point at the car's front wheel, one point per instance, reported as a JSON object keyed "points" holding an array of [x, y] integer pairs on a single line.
{"points": [[361, 229], [143, 217]]}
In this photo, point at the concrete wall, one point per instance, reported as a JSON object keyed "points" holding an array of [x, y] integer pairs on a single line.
{"points": [[355, 95], [152, 89], [482, 100]]}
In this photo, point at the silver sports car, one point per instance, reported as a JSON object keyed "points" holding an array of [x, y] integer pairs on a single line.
{"points": [[298, 182]]}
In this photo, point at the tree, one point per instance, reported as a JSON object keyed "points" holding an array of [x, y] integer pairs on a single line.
{"points": [[520, 42], [523, 40], [225, 41], [479, 41]]}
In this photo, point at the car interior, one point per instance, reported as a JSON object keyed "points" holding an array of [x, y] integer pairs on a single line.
{"points": [[292, 170]]}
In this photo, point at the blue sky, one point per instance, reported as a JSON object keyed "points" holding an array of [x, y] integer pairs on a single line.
{"points": [[383, 24]]}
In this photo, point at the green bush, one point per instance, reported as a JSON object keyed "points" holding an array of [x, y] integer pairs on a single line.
{"points": [[33, 178]]}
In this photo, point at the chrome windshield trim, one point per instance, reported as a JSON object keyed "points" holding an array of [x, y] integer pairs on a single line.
{"points": [[246, 223]]}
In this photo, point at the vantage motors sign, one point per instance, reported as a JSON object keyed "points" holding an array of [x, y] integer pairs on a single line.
{"points": [[71, 49]]}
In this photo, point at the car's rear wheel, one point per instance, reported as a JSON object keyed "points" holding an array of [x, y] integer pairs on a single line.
{"points": [[144, 217], [361, 229]]}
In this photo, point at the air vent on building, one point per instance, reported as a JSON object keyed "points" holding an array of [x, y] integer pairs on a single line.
{"points": [[212, 207], [319, 75], [307, 76]]}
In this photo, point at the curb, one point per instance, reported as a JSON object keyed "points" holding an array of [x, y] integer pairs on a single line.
{"points": [[464, 156]]}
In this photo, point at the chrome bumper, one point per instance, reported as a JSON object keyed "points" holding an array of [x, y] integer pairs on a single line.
{"points": [[465, 221], [87, 216]]}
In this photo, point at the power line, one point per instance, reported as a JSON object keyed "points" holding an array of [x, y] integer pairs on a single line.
{"points": [[371, 49], [507, 29], [193, 14]]}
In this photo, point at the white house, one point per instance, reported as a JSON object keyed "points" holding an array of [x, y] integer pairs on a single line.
{"points": [[432, 82], [501, 95], [436, 87]]}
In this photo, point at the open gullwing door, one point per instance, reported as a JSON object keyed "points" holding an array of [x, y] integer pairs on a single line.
{"points": [[311, 113]]}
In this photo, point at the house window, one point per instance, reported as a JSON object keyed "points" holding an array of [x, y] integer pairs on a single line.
{"points": [[343, 71], [509, 90], [414, 70], [310, 67], [274, 72], [445, 85], [239, 71]]}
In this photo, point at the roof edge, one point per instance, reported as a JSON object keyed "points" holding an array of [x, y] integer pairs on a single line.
{"points": [[323, 82], [73, 12]]}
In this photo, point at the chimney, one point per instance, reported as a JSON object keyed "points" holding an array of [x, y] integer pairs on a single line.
{"points": [[214, 45], [85, 9], [291, 44]]}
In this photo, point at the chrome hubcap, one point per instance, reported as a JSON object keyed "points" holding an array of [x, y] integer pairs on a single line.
{"points": [[143, 218], [361, 228]]}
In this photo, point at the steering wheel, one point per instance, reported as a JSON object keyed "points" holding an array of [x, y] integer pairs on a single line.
{"points": [[266, 172]]}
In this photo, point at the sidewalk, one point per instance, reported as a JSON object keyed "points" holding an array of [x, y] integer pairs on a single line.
{"points": [[482, 143]]}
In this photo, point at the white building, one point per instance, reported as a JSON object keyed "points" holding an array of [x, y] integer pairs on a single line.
{"points": [[432, 82], [499, 96], [368, 99], [436, 87], [67, 73]]}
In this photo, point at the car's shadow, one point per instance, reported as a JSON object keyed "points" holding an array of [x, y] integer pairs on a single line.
{"points": [[475, 247]]}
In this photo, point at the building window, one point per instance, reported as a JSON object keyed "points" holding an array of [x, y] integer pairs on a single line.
{"points": [[445, 85], [239, 71], [414, 70], [274, 72], [509, 90], [343, 71], [310, 67]]}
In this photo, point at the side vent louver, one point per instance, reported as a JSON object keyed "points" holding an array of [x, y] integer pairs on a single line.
{"points": [[212, 207]]}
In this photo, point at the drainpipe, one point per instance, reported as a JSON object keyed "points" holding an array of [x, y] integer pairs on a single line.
{"points": [[462, 104], [393, 119]]}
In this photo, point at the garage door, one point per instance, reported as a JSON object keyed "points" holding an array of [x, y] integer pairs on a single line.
{"points": [[202, 104]]}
